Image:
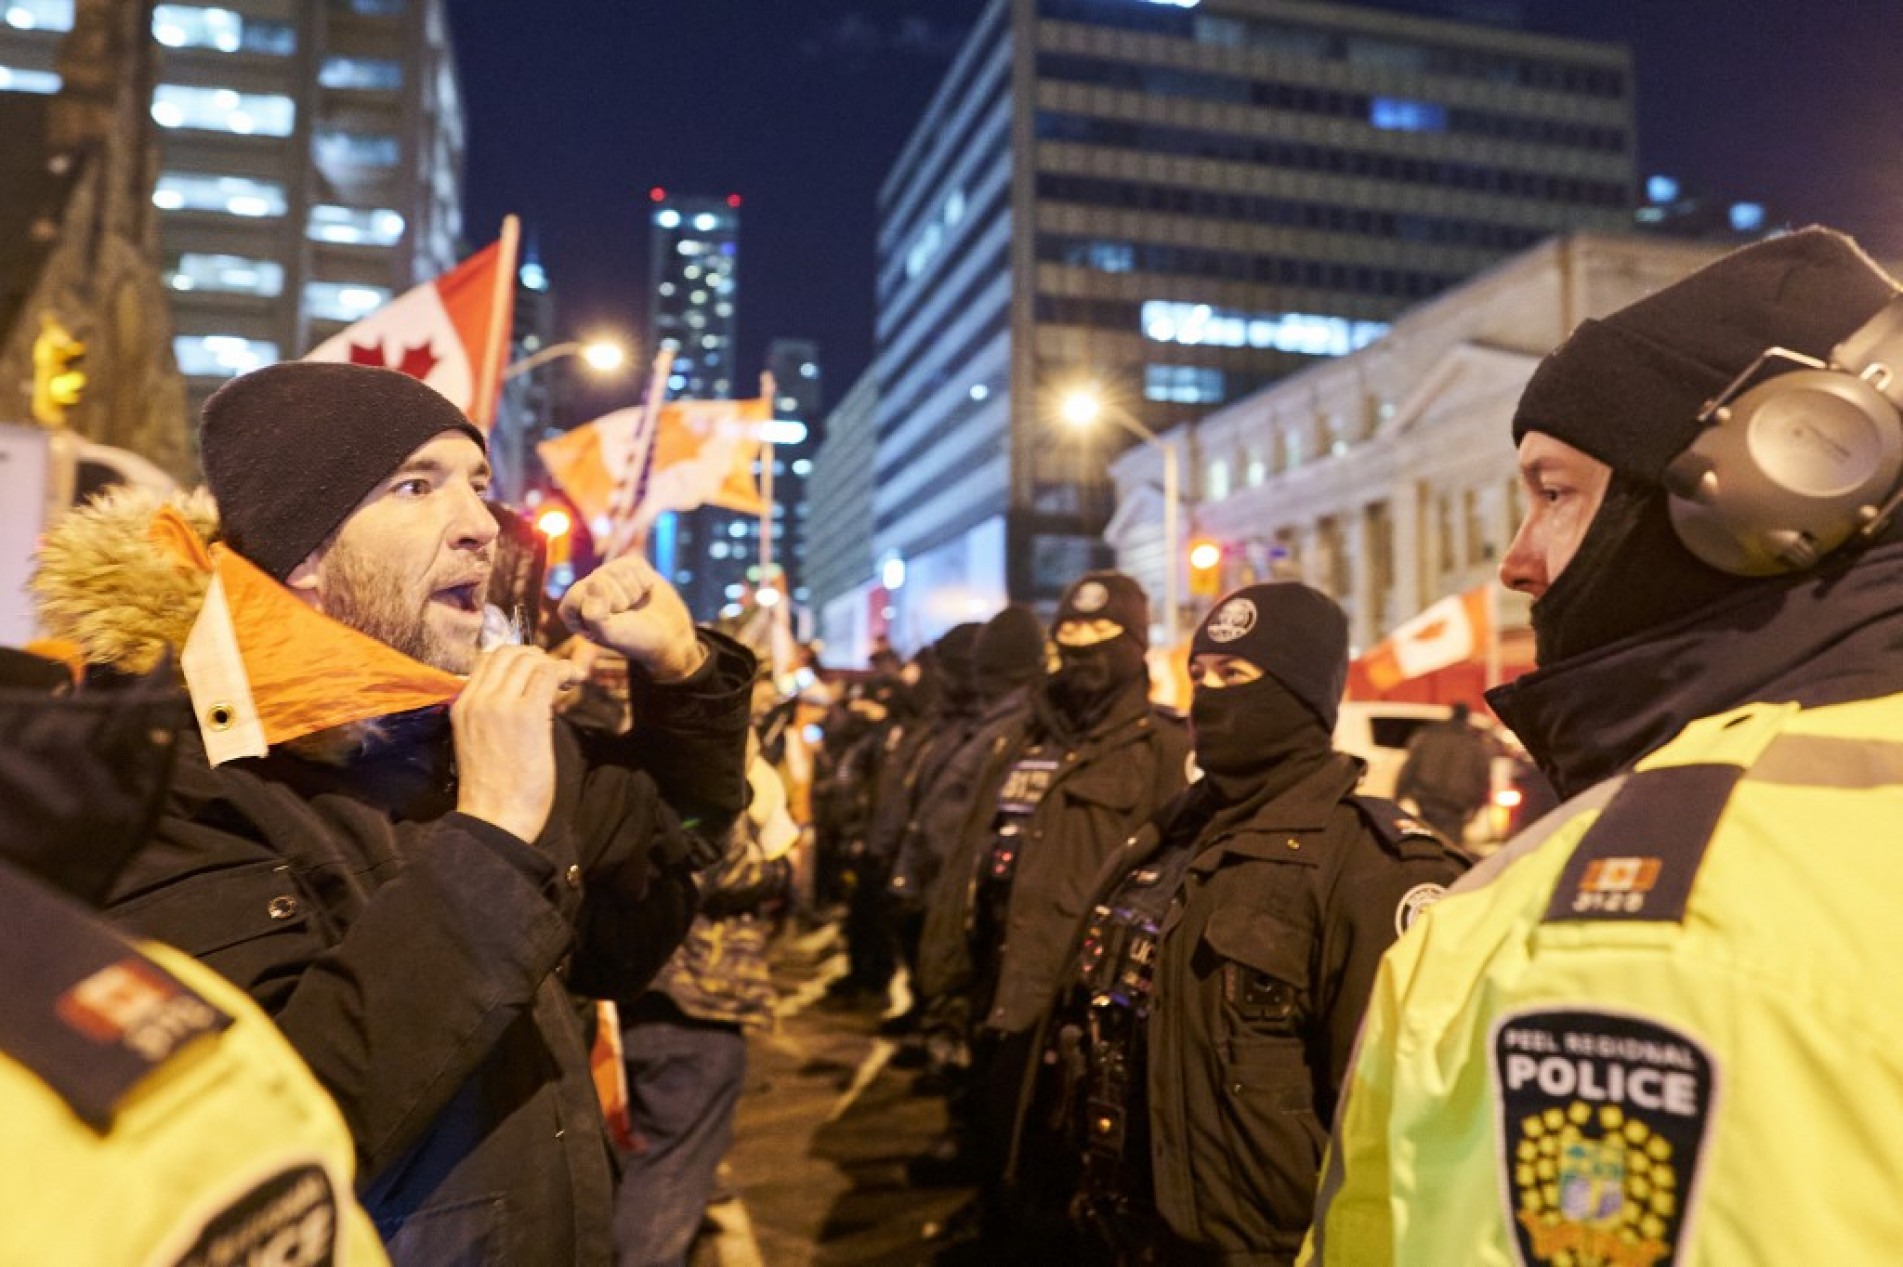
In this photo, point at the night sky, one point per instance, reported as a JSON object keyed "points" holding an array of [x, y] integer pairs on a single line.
{"points": [[576, 108]]}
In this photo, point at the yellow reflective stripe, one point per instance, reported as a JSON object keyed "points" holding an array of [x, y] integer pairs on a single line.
{"points": [[1821, 761]]}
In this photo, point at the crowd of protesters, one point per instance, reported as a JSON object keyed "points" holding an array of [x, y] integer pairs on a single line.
{"points": [[349, 917]]}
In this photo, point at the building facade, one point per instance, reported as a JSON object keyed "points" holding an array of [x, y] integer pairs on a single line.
{"points": [[798, 398], [1170, 206], [310, 164], [693, 297], [1388, 478], [840, 570]]}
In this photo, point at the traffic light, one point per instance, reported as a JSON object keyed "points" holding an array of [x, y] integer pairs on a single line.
{"points": [[1205, 568], [57, 378]]}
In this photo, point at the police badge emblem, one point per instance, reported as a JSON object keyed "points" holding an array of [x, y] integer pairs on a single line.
{"points": [[1231, 621], [1091, 597], [1602, 1119]]}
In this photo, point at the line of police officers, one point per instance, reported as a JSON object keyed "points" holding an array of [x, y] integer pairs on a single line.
{"points": [[1152, 985]]}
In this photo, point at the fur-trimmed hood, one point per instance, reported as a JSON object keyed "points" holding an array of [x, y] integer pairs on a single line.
{"points": [[106, 586], [122, 581]]}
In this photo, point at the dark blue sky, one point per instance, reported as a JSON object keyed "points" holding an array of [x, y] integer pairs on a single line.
{"points": [[577, 107]]}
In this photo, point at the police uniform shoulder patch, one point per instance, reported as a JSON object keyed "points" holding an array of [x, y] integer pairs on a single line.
{"points": [[1602, 1120], [1400, 832], [1413, 902], [1638, 859], [86, 1012]]}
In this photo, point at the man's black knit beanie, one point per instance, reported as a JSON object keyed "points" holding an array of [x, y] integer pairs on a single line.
{"points": [[291, 449], [1628, 390], [1296, 635]]}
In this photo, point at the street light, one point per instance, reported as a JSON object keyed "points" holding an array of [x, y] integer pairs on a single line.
{"points": [[604, 355], [1081, 407]]}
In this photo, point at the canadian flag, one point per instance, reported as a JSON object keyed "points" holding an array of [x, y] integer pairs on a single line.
{"points": [[1452, 631], [453, 332]]}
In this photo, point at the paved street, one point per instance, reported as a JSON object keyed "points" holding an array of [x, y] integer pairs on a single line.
{"points": [[825, 1127]]}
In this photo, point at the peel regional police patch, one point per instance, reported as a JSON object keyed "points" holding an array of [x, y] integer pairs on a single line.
{"points": [[1602, 1118]]}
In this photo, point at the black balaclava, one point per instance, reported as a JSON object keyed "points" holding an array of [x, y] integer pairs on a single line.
{"points": [[1267, 734], [957, 663], [82, 777], [1009, 653], [1628, 391], [1090, 676]]}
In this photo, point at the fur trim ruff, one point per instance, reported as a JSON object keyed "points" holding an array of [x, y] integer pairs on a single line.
{"points": [[104, 586]]}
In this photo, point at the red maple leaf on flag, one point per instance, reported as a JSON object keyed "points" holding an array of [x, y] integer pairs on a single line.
{"points": [[417, 362], [1429, 632]]}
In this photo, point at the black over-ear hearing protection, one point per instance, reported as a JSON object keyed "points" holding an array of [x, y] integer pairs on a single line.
{"points": [[1789, 467]]}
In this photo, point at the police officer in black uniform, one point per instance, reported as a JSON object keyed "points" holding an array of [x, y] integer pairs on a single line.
{"points": [[1225, 963]]}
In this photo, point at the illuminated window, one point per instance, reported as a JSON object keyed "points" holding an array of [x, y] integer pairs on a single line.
{"points": [[334, 147], [235, 195], [41, 81], [343, 301], [377, 8], [355, 226], [1303, 333], [196, 26], [1397, 114], [225, 274], [1183, 384], [221, 355], [361, 72], [39, 15], [1217, 480], [802, 466], [223, 110]]}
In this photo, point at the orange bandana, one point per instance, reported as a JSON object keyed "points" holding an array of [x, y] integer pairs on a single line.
{"points": [[263, 668]]}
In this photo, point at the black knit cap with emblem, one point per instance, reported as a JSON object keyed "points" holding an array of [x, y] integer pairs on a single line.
{"points": [[1296, 635], [291, 449], [1110, 596]]}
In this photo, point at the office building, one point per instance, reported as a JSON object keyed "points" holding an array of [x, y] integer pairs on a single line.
{"points": [[693, 278], [310, 163], [1171, 205], [798, 397], [839, 559], [1388, 478]]}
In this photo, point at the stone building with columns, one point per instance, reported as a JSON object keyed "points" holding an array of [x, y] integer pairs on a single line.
{"points": [[1387, 477]]}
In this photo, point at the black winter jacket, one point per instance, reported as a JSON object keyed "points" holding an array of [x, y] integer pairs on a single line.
{"points": [[420, 960]]}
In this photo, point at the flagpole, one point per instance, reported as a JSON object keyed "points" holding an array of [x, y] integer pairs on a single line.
{"points": [[626, 529], [501, 318]]}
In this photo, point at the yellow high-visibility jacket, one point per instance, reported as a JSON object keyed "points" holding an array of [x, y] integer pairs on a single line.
{"points": [[1665, 1028], [150, 1113]]}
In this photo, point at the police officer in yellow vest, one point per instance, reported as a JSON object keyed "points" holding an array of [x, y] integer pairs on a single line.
{"points": [[149, 1112], [1663, 1025]]}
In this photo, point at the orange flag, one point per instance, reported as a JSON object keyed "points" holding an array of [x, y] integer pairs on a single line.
{"points": [[1454, 630], [704, 451], [453, 332], [263, 668]]}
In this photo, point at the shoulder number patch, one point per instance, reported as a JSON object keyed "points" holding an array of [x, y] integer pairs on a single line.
{"points": [[1602, 1119], [1413, 902]]}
